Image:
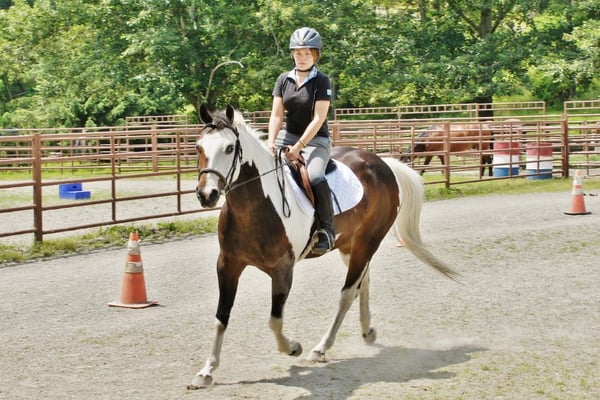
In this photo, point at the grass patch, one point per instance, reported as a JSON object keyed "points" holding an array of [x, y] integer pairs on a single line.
{"points": [[438, 191], [103, 238]]}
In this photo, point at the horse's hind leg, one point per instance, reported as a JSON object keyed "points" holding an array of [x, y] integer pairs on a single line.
{"points": [[368, 332], [228, 274], [349, 292], [281, 283], [318, 353], [426, 163]]}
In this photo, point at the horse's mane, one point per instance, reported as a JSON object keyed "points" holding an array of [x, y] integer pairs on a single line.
{"points": [[221, 122], [242, 126]]}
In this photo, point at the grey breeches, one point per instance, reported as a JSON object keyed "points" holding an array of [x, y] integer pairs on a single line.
{"points": [[316, 154]]}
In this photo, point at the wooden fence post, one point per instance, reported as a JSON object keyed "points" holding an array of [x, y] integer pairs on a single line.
{"points": [[336, 131], [447, 148], [154, 149], [565, 151], [36, 173]]}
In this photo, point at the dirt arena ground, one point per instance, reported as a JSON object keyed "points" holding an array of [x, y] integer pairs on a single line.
{"points": [[524, 323]]}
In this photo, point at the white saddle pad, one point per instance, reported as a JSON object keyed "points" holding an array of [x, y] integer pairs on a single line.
{"points": [[346, 189]]}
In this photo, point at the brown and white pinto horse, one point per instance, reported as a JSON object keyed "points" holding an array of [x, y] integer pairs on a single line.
{"points": [[261, 224], [463, 137]]}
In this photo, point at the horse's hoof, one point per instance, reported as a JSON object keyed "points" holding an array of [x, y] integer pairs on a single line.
{"points": [[370, 336], [200, 382], [317, 357], [296, 349]]}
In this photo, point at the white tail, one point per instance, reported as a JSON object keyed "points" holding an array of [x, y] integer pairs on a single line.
{"points": [[407, 224]]}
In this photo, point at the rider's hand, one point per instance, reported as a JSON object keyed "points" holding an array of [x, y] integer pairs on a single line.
{"points": [[292, 152], [271, 147]]}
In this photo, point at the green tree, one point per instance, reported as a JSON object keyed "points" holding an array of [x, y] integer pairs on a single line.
{"points": [[90, 62], [565, 61]]}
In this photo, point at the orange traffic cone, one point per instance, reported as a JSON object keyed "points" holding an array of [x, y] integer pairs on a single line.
{"points": [[577, 201], [133, 288]]}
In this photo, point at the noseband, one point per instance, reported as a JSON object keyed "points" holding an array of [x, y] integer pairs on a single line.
{"points": [[237, 158]]}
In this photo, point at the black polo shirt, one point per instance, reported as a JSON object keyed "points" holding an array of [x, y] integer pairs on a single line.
{"points": [[299, 103]]}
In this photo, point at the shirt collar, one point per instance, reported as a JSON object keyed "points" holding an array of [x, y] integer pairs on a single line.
{"points": [[311, 74]]}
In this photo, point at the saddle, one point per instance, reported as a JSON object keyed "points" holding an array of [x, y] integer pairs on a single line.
{"points": [[300, 175]]}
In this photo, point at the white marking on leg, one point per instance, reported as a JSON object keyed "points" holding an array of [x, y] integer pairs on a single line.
{"points": [[283, 344], [368, 333], [204, 377], [346, 298]]}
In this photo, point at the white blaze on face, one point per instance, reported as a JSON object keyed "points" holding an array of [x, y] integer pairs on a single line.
{"points": [[218, 150]]}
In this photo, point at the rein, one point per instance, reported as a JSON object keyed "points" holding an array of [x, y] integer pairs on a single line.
{"points": [[281, 182]]}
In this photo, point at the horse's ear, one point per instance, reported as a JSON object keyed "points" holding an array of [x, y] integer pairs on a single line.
{"points": [[230, 113], [205, 114]]}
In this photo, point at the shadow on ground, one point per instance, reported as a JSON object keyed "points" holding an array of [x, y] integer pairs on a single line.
{"points": [[391, 365]]}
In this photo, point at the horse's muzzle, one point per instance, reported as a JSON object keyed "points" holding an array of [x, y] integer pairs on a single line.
{"points": [[207, 199]]}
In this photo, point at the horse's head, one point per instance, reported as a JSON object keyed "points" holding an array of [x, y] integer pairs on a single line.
{"points": [[406, 156], [419, 146], [219, 153]]}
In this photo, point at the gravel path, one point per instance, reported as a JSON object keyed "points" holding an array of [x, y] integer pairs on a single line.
{"points": [[523, 324]]}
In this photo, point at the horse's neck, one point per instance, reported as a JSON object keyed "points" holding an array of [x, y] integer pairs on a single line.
{"points": [[271, 178], [254, 152], [271, 174]]}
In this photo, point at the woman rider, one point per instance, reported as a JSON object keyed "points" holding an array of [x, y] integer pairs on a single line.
{"points": [[303, 95]]}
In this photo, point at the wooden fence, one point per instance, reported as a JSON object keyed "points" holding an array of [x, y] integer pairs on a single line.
{"points": [[36, 164]]}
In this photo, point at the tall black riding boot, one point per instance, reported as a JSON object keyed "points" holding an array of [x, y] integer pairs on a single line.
{"points": [[324, 213]]}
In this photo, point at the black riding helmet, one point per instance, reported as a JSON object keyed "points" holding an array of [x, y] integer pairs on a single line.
{"points": [[306, 38]]}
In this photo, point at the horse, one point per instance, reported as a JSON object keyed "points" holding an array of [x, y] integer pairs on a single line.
{"points": [[463, 137], [261, 223]]}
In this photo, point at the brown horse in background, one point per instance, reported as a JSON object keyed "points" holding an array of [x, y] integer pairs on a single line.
{"points": [[463, 137]]}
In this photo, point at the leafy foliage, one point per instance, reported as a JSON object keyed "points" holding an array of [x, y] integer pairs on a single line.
{"points": [[94, 62]]}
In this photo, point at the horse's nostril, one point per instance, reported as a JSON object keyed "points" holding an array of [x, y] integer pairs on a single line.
{"points": [[214, 196]]}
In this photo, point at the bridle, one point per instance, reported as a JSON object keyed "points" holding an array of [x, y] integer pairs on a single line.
{"points": [[237, 158], [228, 184]]}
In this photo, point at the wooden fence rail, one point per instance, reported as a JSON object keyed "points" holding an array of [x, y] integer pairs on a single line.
{"points": [[159, 160]]}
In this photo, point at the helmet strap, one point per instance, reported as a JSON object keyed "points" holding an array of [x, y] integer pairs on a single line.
{"points": [[305, 70]]}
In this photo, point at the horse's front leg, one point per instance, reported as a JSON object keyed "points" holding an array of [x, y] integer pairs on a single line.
{"points": [[490, 160], [228, 275], [281, 283]]}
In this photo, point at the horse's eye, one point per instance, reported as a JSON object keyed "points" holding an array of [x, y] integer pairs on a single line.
{"points": [[229, 149]]}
